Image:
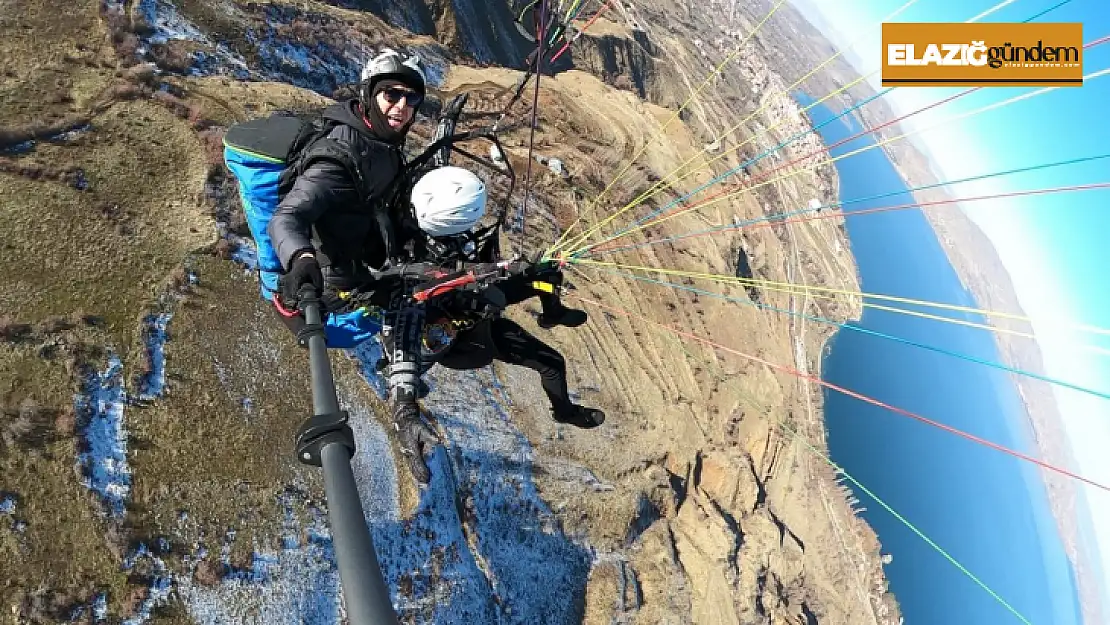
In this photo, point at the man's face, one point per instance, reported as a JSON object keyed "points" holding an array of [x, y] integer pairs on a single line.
{"points": [[398, 105]]}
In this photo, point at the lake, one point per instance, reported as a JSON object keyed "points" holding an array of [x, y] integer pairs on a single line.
{"points": [[987, 509]]}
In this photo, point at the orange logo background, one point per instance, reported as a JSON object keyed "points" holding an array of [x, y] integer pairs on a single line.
{"points": [[989, 55]]}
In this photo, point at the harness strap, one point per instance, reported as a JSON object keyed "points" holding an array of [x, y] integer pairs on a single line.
{"points": [[282, 310]]}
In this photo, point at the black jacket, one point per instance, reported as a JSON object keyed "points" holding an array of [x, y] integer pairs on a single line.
{"points": [[336, 212]]}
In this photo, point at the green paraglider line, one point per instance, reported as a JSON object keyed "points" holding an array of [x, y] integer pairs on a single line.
{"points": [[585, 28], [828, 460], [913, 528], [590, 248], [755, 403], [1048, 10], [864, 489], [777, 217]]}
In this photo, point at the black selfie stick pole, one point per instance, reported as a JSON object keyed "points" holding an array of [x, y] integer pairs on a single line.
{"points": [[325, 440]]}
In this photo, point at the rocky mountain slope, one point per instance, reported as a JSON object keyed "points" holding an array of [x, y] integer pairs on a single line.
{"points": [[150, 399]]}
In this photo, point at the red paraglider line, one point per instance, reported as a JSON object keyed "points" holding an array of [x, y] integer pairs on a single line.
{"points": [[772, 220], [570, 41], [853, 394], [767, 173]]}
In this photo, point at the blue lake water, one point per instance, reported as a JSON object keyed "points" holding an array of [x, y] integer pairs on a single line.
{"points": [[987, 509]]}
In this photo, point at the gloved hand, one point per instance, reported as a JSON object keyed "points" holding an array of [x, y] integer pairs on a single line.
{"points": [[518, 267], [548, 270], [537, 267], [414, 435], [305, 270]]}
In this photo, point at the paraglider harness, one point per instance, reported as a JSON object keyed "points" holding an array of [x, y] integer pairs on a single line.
{"points": [[452, 279], [450, 301]]}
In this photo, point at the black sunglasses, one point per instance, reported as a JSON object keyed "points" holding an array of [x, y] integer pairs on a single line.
{"points": [[394, 95]]}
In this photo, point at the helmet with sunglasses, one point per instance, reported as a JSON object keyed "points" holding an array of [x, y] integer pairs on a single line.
{"points": [[406, 68], [448, 200]]}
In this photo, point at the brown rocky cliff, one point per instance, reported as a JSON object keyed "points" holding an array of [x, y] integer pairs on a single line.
{"points": [[715, 513], [972, 256], [711, 512], [621, 57]]}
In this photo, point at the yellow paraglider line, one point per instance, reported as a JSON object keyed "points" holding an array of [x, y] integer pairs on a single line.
{"points": [[822, 163], [788, 287], [659, 133]]}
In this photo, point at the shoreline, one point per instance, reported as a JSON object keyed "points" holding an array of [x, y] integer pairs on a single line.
{"points": [[988, 283], [1042, 423]]}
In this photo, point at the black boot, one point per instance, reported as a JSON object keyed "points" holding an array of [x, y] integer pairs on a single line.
{"points": [[580, 416], [562, 316]]}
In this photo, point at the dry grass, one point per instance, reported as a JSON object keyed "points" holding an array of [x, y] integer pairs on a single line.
{"points": [[200, 448], [81, 246], [37, 464], [602, 594], [604, 27], [107, 248], [103, 220], [51, 67], [227, 101]]}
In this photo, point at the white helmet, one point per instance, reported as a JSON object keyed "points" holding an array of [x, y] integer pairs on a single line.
{"points": [[448, 200]]}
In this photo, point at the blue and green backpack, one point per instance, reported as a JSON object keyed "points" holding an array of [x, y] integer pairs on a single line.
{"points": [[265, 155]]}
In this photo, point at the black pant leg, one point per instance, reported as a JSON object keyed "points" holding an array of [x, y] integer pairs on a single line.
{"points": [[518, 289], [472, 349], [514, 345]]}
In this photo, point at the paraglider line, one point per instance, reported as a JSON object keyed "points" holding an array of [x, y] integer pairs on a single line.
{"points": [[904, 521], [862, 330], [666, 183], [801, 438], [783, 217], [849, 393], [676, 114], [789, 287], [593, 19], [725, 194], [659, 186], [816, 292], [639, 224], [532, 131], [978, 111], [662, 184], [1048, 10]]}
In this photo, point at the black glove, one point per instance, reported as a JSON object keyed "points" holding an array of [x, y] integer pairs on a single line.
{"points": [[546, 268], [305, 270], [414, 436], [533, 269]]}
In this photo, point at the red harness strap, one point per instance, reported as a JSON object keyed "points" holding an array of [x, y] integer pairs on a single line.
{"points": [[282, 310]]}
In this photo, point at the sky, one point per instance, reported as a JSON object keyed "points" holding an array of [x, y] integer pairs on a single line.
{"points": [[1055, 246]]}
